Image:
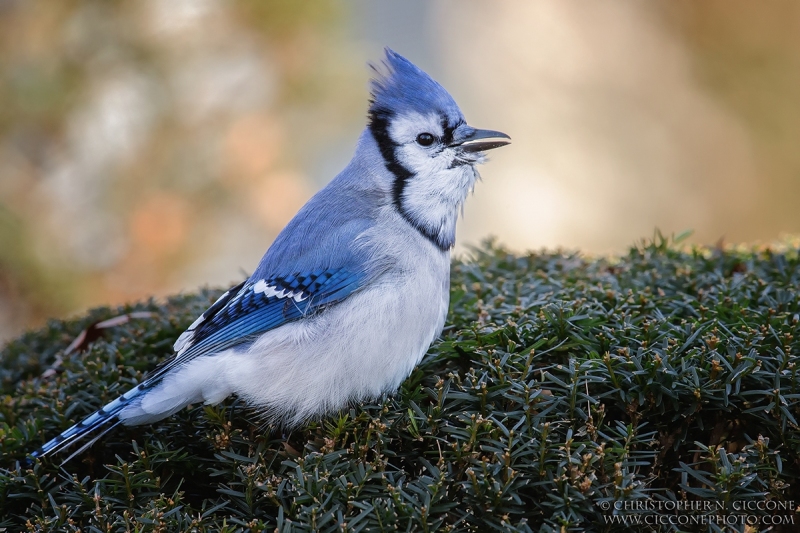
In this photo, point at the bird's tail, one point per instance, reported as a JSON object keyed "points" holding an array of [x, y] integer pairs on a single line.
{"points": [[100, 418]]}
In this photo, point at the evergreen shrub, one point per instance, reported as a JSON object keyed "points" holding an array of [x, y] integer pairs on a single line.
{"points": [[563, 387]]}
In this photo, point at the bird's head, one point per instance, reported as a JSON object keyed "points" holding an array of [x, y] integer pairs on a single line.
{"points": [[427, 145]]}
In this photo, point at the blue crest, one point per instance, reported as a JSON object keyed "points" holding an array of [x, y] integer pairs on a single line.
{"points": [[400, 86]]}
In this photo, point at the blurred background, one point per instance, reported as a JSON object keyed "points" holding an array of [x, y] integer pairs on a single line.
{"points": [[155, 146]]}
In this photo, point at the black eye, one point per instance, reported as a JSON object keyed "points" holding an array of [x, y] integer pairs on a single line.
{"points": [[425, 139]]}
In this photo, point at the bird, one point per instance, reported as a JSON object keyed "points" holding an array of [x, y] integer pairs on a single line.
{"points": [[351, 293]]}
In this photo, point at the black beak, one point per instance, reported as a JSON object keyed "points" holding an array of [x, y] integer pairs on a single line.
{"points": [[474, 141]]}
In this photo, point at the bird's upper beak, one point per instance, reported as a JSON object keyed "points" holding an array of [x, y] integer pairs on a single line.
{"points": [[480, 140]]}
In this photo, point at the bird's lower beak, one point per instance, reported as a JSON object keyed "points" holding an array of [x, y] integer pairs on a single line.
{"points": [[481, 140]]}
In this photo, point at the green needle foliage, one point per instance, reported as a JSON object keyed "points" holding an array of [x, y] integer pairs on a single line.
{"points": [[563, 386]]}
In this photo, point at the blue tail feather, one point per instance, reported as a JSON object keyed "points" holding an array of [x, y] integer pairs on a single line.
{"points": [[101, 417]]}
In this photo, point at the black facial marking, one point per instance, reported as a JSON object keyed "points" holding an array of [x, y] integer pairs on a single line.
{"points": [[447, 140], [458, 162], [379, 127], [447, 136]]}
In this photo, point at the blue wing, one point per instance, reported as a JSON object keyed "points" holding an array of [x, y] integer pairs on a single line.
{"points": [[259, 305], [256, 306]]}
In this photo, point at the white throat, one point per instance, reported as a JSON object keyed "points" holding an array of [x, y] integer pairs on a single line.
{"points": [[432, 200]]}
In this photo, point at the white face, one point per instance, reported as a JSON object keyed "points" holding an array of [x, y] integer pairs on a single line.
{"points": [[441, 175]]}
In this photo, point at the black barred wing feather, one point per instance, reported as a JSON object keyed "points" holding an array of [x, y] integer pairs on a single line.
{"points": [[257, 306], [195, 331]]}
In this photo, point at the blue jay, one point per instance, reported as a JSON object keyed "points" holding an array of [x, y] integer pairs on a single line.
{"points": [[351, 293]]}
